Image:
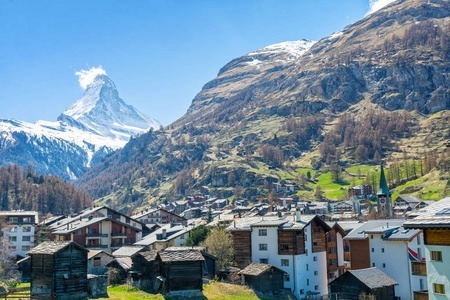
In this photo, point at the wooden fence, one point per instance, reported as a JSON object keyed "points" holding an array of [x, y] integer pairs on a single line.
{"points": [[25, 295]]}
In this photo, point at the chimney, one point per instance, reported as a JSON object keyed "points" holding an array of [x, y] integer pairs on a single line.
{"points": [[298, 214], [279, 214], [164, 234]]}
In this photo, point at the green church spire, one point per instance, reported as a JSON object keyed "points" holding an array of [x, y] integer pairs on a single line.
{"points": [[383, 190]]}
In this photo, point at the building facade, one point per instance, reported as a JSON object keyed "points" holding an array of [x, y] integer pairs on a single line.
{"points": [[98, 228], [295, 245], [435, 223], [19, 232]]}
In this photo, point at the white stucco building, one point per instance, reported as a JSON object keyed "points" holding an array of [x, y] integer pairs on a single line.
{"points": [[19, 232]]}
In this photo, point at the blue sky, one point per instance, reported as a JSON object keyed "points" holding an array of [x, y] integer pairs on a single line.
{"points": [[158, 52]]}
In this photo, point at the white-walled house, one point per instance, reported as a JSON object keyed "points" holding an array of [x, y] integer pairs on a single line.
{"points": [[20, 231], [396, 251], [296, 245], [435, 222], [169, 235]]}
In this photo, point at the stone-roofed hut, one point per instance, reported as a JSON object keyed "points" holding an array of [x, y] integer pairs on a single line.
{"points": [[183, 269], [59, 267], [145, 269], [118, 270], [263, 277], [370, 281]]}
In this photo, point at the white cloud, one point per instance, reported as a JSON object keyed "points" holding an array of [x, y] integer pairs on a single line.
{"points": [[378, 4], [86, 77]]}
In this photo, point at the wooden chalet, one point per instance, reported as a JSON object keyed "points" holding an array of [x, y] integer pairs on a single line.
{"points": [[182, 269], [263, 277], [371, 281], [60, 268]]}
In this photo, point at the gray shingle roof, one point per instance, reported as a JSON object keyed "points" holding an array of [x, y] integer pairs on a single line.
{"points": [[287, 222], [256, 269], [434, 215], [127, 251], [52, 247], [180, 255], [373, 278]]}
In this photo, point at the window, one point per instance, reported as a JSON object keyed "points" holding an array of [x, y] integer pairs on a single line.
{"points": [[332, 249], [421, 284], [284, 247], [12, 248], [27, 220], [382, 250], [315, 258], [97, 261], [263, 247], [316, 287], [371, 236], [13, 219], [436, 255], [13, 229], [307, 267], [262, 232], [286, 277], [307, 282], [419, 253], [418, 239], [373, 250], [26, 238], [263, 261], [25, 248], [316, 273], [182, 237], [384, 265], [285, 262], [438, 288], [306, 252], [302, 291], [373, 264], [26, 229], [13, 238]]}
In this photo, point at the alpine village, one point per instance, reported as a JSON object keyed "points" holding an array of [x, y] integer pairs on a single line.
{"points": [[304, 170]]}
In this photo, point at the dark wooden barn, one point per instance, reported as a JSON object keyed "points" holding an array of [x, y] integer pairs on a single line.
{"points": [[25, 268], [59, 267], [183, 269], [119, 270], [209, 265], [263, 277], [370, 281], [145, 269]]}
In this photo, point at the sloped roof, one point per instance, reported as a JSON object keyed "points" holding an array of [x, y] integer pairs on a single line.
{"points": [[149, 255], [127, 251], [125, 262], [434, 215], [256, 269], [360, 232], [52, 247], [373, 278], [180, 255], [93, 253]]}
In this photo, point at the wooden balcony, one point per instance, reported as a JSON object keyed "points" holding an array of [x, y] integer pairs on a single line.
{"points": [[419, 268], [421, 295]]}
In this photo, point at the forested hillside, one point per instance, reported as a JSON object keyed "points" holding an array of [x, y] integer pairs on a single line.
{"points": [[27, 190], [377, 90]]}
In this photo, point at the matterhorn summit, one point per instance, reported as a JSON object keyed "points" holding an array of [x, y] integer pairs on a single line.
{"points": [[96, 124]]}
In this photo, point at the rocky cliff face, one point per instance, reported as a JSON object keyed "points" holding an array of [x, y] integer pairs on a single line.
{"points": [[284, 96]]}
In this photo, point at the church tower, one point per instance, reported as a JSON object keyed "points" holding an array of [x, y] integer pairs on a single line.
{"points": [[384, 197]]}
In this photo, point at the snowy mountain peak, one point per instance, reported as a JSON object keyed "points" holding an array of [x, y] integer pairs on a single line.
{"points": [[93, 126], [101, 110]]}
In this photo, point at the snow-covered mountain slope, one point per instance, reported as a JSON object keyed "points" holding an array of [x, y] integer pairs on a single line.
{"points": [[95, 125]]}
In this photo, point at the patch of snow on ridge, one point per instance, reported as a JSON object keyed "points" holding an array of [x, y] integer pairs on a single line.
{"points": [[335, 35], [293, 48]]}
